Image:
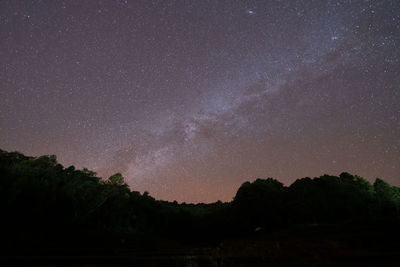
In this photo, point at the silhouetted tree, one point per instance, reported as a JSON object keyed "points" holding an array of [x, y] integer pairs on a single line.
{"points": [[41, 202], [116, 179], [388, 198], [259, 203]]}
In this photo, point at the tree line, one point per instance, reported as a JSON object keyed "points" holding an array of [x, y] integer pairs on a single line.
{"points": [[45, 203]]}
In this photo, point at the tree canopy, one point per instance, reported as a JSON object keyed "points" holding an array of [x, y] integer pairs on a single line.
{"points": [[41, 200]]}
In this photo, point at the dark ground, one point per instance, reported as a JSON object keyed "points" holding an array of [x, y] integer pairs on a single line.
{"points": [[308, 245]]}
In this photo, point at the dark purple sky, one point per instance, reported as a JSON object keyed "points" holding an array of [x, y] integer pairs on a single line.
{"points": [[189, 99]]}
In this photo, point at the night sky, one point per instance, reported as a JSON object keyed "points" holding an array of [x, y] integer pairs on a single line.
{"points": [[189, 99]]}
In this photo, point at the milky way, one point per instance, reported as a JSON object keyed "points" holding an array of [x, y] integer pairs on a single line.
{"points": [[189, 99]]}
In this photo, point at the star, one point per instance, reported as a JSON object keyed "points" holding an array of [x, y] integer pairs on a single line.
{"points": [[250, 12]]}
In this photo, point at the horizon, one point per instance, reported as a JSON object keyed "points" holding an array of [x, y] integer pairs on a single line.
{"points": [[250, 179], [189, 99]]}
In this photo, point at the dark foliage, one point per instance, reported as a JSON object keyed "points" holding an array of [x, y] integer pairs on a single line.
{"points": [[42, 203]]}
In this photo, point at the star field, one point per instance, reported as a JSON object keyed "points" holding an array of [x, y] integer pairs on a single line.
{"points": [[189, 99]]}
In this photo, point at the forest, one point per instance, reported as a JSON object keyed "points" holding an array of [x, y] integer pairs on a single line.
{"points": [[48, 208]]}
